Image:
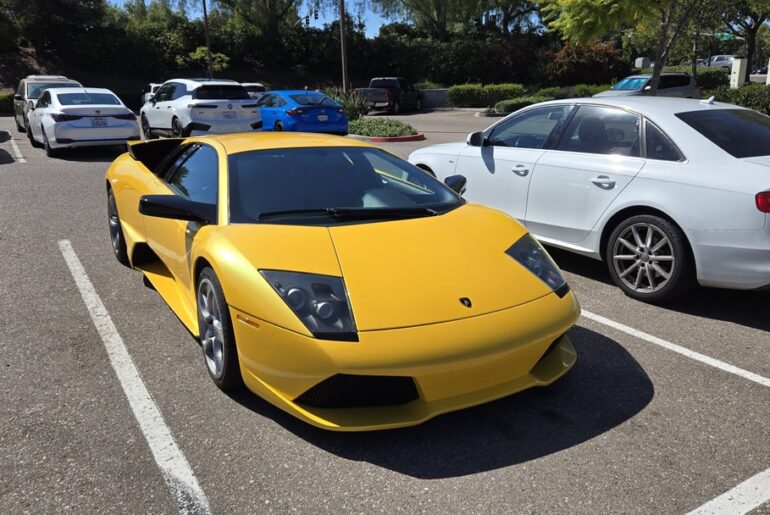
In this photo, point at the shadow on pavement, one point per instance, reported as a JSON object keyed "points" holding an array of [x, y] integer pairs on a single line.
{"points": [[5, 157], [92, 154], [4, 136], [605, 388]]}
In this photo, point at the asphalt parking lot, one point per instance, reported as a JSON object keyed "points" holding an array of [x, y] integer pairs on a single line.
{"points": [[666, 411]]}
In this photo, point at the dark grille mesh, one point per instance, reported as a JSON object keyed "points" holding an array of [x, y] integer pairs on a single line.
{"points": [[351, 391]]}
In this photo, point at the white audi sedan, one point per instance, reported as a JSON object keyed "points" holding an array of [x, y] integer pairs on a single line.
{"points": [[666, 191], [80, 117]]}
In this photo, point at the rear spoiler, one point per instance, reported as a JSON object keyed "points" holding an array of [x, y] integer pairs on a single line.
{"points": [[152, 153]]}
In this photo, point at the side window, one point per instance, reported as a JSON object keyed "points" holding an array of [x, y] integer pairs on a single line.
{"points": [[602, 130], [20, 89], [197, 176], [278, 101], [529, 129], [180, 90], [164, 93], [266, 101], [45, 100], [659, 146]]}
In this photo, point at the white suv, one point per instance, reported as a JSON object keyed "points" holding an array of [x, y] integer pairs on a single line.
{"points": [[185, 107]]}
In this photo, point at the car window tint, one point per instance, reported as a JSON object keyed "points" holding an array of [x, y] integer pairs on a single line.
{"points": [[196, 177], [630, 84], [74, 99], [659, 146], [234, 92], [266, 100], [739, 132], [529, 129], [308, 99], [279, 101], [164, 93], [45, 100], [35, 89], [602, 130], [673, 81], [179, 91]]}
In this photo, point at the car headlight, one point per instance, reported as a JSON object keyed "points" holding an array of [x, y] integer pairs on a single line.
{"points": [[319, 301], [530, 254]]}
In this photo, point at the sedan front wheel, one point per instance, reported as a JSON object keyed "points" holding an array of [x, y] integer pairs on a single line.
{"points": [[648, 258]]}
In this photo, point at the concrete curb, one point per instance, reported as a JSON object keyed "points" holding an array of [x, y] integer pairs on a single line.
{"points": [[382, 139]]}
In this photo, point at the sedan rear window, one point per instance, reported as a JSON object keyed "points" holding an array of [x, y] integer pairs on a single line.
{"points": [[313, 99], [739, 132], [79, 99], [221, 93]]}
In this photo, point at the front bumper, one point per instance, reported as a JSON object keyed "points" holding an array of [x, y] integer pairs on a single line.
{"points": [[454, 364]]}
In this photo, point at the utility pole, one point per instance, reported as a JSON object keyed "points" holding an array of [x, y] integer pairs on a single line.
{"points": [[208, 43], [343, 47]]}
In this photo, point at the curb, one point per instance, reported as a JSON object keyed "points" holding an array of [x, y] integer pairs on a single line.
{"points": [[383, 139], [482, 114]]}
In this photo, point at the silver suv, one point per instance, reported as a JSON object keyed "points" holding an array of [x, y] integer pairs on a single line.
{"points": [[721, 61], [680, 85], [29, 90]]}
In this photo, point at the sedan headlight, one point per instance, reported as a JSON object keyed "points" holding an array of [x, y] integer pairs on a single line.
{"points": [[534, 258], [320, 302]]}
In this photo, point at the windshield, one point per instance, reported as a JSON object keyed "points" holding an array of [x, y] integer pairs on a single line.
{"points": [[383, 83], [221, 93], [35, 89], [77, 99], [739, 132], [313, 99], [631, 84], [283, 181]]}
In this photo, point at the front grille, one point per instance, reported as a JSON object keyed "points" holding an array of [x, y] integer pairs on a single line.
{"points": [[351, 391]]}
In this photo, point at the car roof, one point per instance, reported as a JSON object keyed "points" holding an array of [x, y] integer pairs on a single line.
{"points": [[297, 91], [46, 78], [654, 107], [196, 83], [247, 141], [667, 74], [251, 84]]}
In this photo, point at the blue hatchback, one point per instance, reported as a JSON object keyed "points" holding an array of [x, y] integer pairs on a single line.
{"points": [[302, 111]]}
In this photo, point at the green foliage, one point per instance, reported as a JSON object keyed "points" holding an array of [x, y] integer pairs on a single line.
{"points": [[753, 96], [382, 127], [6, 103], [426, 84], [198, 59], [514, 104], [553, 92], [587, 90], [477, 95], [353, 105], [596, 63]]}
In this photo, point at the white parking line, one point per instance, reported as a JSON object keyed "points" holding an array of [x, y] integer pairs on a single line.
{"points": [[721, 365], [15, 147], [748, 495], [173, 465]]}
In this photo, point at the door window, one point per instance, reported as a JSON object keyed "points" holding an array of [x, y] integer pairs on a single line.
{"points": [[45, 100], [179, 91], [602, 130], [674, 81], [196, 175], [530, 129], [164, 93], [266, 101]]}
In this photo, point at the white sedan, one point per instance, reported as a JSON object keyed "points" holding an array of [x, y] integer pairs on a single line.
{"points": [[80, 117], [666, 191]]}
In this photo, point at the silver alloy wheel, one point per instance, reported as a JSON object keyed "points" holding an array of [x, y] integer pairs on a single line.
{"points": [[212, 333], [112, 213], [643, 258]]}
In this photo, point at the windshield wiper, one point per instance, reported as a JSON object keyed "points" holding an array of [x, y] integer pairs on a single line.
{"points": [[353, 212]]}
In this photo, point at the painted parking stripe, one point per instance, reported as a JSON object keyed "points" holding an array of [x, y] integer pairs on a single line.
{"points": [[750, 494], [15, 147], [173, 465], [721, 365]]}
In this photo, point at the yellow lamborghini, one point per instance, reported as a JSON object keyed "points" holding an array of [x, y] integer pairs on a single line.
{"points": [[336, 281]]}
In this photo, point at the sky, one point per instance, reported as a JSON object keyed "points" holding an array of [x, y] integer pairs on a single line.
{"points": [[372, 20]]}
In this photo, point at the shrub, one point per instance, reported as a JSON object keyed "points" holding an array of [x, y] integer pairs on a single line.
{"points": [[426, 84], [514, 104], [555, 92], [6, 103], [588, 90], [383, 127], [476, 95], [353, 105], [594, 63], [753, 96]]}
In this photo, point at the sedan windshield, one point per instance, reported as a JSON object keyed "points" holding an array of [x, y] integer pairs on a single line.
{"points": [[739, 132], [630, 84], [331, 185], [79, 99]]}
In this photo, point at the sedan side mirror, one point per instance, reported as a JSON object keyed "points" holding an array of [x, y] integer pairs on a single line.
{"points": [[177, 208], [476, 139], [456, 183]]}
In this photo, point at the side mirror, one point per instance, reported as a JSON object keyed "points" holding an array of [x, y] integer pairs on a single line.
{"points": [[177, 208], [456, 183], [647, 88], [476, 139], [17, 96]]}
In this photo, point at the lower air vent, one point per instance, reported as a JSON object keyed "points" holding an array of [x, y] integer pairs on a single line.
{"points": [[350, 391]]}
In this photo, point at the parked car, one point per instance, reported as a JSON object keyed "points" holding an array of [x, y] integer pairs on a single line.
{"points": [[29, 90], [337, 281], [390, 93], [670, 85], [304, 111], [80, 117], [182, 107], [152, 88], [255, 89], [666, 191], [720, 61]]}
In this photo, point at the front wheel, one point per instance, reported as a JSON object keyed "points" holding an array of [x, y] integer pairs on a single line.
{"points": [[396, 108], [216, 333], [176, 128], [278, 127], [649, 259], [146, 130]]}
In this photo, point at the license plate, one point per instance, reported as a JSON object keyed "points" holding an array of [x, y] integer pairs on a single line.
{"points": [[99, 122], [229, 115], [322, 117]]}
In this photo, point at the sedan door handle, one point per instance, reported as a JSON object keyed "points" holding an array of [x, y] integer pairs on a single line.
{"points": [[520, 170], [603, 182]]}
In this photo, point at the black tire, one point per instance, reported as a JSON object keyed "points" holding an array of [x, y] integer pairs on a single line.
{"points": [[50, 152], [146, 130], [229, 377], [19, 127], [31, 138], [661, 268], [278, 127], [116, 230], [176, 128], [418, 105], [396, 108]]}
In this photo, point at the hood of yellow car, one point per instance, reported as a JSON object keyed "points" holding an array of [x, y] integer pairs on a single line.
{"points": [[406, 273]]}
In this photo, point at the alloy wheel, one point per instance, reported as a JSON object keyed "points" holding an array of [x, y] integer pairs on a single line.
{"points": [[644, 258], [212, 333]]}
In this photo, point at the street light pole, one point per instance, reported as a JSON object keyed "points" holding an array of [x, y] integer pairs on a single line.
{"points": [[208, 43], [343, 47]]}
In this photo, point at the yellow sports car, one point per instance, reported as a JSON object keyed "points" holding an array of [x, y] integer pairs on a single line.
{"points": [[336, 281]]}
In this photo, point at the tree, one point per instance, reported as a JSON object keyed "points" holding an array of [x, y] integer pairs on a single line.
{"points": [[744, 19], [436, 17]]}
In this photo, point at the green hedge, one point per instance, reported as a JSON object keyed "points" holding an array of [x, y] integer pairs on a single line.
{"points": [[426, 84], [753, 96], [578, 90], [514, 104], [6, 103], [476, 95], [383, 127]]}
